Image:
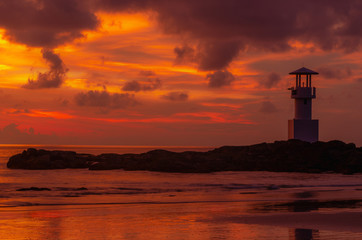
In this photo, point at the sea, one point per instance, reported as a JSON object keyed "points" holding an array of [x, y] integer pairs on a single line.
{"points": [[117, 204]]}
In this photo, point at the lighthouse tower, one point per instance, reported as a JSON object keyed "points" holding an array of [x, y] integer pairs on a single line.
{"points": [[303, 127]]}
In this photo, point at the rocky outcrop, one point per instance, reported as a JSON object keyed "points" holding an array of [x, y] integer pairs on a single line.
{"points": [[33, 189], [43, 159], [280, 156]]}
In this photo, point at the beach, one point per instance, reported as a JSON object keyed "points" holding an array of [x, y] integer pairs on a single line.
{"points": [[117, 204], [336, 221]]}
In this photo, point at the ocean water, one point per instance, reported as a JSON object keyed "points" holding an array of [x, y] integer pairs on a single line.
{"points": [[117, 204]]}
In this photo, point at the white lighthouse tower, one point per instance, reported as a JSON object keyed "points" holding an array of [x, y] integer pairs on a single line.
{"points": [[303, 127]]}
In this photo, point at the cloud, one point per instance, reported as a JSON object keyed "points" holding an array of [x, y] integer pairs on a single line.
{"points": [[136, 86], [271, 81], [11, 134], [215, 55], [184, 54], [52, 78], [220, 30], [220, 79], [176, 96], [268, 107], [335, 73], [210, 55], [44, 23], [214, 32], [105, 99]]}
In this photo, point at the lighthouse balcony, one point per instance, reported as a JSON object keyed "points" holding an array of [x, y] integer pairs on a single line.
{"points": [[303, 92]]}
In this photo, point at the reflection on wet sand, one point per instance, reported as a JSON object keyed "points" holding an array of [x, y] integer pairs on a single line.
{"points": [[304, 206], [171, 221], [176, 221], [303, 234]]}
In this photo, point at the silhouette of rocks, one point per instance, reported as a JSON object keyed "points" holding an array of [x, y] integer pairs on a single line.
{"points": [[43, 159], [280, 156]]}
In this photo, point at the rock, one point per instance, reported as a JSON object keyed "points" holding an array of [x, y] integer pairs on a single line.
{"points": [[33, 189], [43, 159], [280, 156], [272, 187]]}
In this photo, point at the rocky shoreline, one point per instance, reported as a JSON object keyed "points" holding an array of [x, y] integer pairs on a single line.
{"points": [[280, 156]]}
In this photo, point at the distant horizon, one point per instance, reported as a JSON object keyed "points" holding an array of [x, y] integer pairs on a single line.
{"points": [[144, 146]]}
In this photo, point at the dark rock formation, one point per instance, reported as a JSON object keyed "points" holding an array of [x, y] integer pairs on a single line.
{"points": [[280, 156], [33, 189], [43, 159]]}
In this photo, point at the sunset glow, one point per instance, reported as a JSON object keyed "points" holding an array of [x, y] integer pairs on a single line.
{"points": [[165, 72]]}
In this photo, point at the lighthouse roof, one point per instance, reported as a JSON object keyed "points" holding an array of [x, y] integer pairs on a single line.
{"points": [[303, 71]]}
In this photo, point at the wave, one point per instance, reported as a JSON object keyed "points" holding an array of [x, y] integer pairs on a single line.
{"points": [[238, 186], [30, 204]]}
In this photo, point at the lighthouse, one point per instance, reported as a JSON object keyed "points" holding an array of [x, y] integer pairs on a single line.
{"points": [[303, 127]]}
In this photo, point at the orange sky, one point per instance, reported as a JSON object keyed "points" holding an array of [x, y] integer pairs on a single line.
{"points": [[130, 80]]}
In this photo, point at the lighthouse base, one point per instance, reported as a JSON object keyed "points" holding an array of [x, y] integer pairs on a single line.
{"points": [[303, 129]]}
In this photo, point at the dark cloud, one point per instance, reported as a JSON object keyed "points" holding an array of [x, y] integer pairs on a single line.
{"points": [[219, 30], [214, 31], [132, 86], [335, 73], [216, 55], [220, 79], [136, 86], [45, 23], [52, 78], [211, 55], [268, 107], [104, 99], [184, 54], [271, 80], [176, 96]]}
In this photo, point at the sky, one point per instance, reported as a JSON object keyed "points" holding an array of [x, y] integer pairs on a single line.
{"points": [[182, 72]]}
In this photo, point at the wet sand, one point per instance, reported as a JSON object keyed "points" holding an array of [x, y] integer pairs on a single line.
{"points": [[337, 221]]}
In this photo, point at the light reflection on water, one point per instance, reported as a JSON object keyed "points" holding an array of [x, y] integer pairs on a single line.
{"points": [[149, 205]]}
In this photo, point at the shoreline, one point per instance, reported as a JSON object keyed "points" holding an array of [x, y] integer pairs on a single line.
{"points": [[280, 156]]}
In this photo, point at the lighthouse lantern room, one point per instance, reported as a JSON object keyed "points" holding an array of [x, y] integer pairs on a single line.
{"points": [[303, 127]]}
